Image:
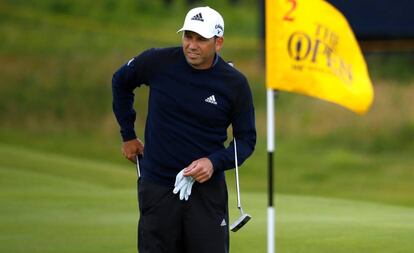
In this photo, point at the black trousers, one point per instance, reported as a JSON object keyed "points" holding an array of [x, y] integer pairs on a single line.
{"points": [[170, 225]]}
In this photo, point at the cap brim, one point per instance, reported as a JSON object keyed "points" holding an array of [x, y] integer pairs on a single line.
{"points": [[196, 30]]}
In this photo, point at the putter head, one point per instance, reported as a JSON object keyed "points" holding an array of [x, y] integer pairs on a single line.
{"points": [[239, 223]]}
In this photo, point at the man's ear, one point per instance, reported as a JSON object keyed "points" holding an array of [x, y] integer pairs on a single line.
{"points": [[219, 43]]}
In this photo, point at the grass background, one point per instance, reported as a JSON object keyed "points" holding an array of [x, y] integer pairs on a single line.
{"points": [[343, 182]]}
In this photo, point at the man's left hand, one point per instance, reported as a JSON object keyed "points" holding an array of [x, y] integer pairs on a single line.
{"points": [[201, 170]]}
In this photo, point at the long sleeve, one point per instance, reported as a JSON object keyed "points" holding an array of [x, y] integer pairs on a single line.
{"points": [[245, 134], [124, 81]]}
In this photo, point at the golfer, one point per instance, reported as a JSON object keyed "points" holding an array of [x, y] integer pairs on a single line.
{"points": [[194, 97]]}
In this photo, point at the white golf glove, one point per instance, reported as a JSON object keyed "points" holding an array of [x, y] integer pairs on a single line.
{"points": [[183, 185]]}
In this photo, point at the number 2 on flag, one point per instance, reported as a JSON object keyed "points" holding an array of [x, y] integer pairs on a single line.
{"points": [[288, 16]]}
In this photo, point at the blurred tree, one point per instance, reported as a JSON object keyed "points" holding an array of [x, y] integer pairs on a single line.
{"points": [[168, 2], [191, 2], [234, 1]]}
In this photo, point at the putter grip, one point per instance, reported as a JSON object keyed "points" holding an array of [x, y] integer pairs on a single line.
{"points": [[137, 165]]}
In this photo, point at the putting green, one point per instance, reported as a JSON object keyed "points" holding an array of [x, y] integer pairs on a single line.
{"points": [[313, 224], [52, 203]]}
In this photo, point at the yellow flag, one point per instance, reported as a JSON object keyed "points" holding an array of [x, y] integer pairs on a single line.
{"points": [[311, 49]]}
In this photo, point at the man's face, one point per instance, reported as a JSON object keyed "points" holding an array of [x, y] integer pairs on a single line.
{"points": [[200, 51]]}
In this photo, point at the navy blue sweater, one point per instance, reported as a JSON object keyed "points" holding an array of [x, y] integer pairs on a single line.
{"points": [[189, 111]]}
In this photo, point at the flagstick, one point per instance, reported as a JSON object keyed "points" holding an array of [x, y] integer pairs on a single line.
{"points": [[270, 149], [270, 138]]}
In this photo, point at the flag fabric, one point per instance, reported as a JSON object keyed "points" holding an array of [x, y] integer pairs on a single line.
{"points": [[311, 50]]}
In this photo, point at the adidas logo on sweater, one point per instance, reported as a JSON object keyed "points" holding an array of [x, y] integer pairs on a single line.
{"points": [[211, 99], [198, 17]]}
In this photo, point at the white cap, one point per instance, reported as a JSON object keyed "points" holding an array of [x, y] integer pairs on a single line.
{"points": [[204, 21]]}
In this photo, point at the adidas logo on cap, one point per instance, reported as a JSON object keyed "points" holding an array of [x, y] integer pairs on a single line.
{"points": [[198, 17]]}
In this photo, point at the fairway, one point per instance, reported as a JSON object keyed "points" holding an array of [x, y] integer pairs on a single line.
{"points": [[54, 203]]}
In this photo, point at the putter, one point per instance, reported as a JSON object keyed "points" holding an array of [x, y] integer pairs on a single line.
{"points": [[244, 217]]}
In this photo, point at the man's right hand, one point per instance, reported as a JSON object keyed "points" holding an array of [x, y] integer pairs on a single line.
{"points": [[132, 148]]}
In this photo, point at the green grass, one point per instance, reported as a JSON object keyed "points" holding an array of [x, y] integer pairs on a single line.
{"points": [[56, 203], [317, 225]]}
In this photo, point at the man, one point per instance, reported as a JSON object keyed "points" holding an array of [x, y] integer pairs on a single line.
{"points": [[194, 97]]}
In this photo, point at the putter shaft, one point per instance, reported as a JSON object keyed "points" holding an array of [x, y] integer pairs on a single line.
{"points": [[237, 177]]}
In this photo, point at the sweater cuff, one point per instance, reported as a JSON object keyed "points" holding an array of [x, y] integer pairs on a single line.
{"points": [[128, 135], [215, 160]]}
